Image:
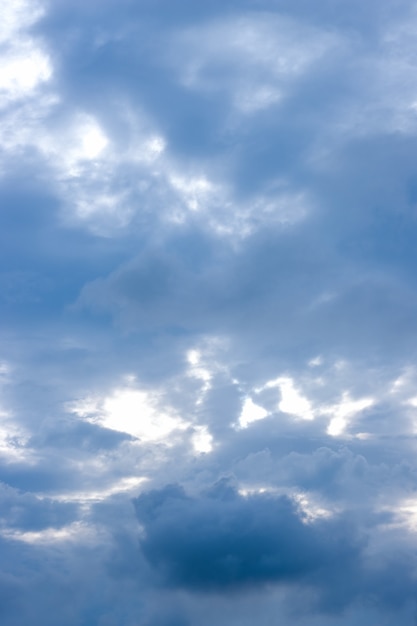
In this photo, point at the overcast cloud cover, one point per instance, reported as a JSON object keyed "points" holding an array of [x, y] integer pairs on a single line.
{"points": [[208, 301]]}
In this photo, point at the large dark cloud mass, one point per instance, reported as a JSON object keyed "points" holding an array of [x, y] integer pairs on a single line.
{"points": [[222, 541]]}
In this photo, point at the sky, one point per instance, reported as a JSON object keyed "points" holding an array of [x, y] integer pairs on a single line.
{"points": [[208, 313]]}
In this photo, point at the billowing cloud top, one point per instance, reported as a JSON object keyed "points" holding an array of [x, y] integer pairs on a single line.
{"points": [[208, 313]]}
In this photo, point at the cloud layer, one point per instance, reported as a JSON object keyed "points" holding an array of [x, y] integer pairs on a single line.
{"points": [[208, 305]]}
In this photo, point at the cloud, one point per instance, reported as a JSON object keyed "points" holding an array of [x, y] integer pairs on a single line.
{"points": [[208, 269], [223, 541], [253, 58]]}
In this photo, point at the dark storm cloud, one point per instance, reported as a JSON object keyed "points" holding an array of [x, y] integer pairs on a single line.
{"points": [[222, 541]]}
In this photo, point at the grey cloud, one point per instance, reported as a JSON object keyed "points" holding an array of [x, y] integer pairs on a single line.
{"points": [[222, 541], [25, 512], [75, 434], [63, 582], [225, 544]]}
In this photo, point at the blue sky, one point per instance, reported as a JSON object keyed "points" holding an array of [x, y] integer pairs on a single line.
{"points": [[208, 304]]}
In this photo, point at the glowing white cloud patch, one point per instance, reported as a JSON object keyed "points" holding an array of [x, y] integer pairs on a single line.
{"points": [[71, 147], [130, 411], [21, 72], [198, 196], [137, 413], [251, 412], [214, 202], [13, 437], [343, 412], [310, 508], [198, 370], [18, 15], [88, 143], [23, 64], [405, 513], [402, 381], [194, 191], [402, 514], [193, 357], [87, 165], [363, 436], [292, 401], [85, 407], [202, 440], [77, 532], [93, 142]]}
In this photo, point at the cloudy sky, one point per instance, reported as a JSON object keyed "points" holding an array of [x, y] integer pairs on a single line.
{"points": [[208, 305]]}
